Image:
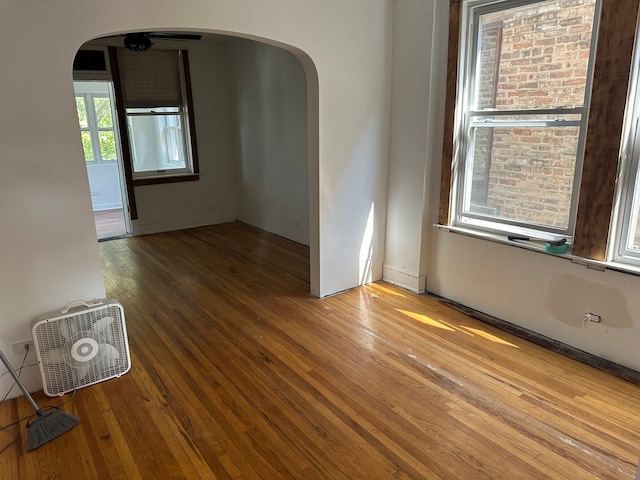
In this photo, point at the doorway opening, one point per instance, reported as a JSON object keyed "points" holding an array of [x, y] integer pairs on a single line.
{"points": [[100, 142]]}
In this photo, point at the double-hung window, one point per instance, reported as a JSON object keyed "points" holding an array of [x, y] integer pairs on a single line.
{"points": [[157, 140], [161, 140], [521, 115]]}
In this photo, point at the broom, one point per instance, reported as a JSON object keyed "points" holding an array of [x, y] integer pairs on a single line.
{"points": [[47, 425]]}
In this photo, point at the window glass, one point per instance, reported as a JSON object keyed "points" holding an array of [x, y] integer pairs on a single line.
{"points": [[95, 117], [523, 174], [158, 143], [81, 108], [102, 107], [626, 243], [526, 78], [87, 146], [107, 145], [534, 56]]}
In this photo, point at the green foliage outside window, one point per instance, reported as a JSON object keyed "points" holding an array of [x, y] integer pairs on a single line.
{"points": [[98, 122], [87, 146]]}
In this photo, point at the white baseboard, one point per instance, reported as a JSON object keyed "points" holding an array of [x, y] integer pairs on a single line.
{"points": [[169, 225], [403, 278], [107, 206]]}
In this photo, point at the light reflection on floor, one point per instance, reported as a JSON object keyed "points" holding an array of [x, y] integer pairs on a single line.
{"points": [[448, 327]]}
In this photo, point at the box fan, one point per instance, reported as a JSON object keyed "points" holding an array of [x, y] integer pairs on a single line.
{"points": [[81, 344]]}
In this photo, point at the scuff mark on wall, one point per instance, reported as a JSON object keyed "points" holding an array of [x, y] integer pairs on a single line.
{"points": [[569, 297]]}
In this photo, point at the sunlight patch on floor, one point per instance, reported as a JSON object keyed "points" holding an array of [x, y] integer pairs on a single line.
{"points": [[488, 336], [450, 328], [426, 320]]}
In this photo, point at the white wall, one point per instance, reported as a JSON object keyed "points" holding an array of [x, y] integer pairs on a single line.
{"points": [[212, 199], [412, 122], [270, 121], [104, 181], [543, 293], [49, 249]]}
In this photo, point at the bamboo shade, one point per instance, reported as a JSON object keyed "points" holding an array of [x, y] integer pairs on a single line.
{"points": [[151, 78]]}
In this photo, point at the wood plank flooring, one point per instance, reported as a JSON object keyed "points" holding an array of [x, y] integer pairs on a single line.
{"points": [[238, 373], [109, 223]]}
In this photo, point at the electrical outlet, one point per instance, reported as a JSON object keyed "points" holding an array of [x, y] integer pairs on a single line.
{"points": [[20, 347], [592, 317]]}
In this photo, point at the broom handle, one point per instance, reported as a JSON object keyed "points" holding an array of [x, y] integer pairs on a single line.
{"points": [[20, 384]]}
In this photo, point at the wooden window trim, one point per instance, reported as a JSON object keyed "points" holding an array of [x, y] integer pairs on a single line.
{"points": [[192, 119], [614, 58], [124, 135], [449, 111]]}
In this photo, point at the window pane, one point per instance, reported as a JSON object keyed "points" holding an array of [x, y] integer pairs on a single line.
{"points": [[81, 108], [157, 142], [534, 56], [86, 145], [522, 174], [632, 241], [107, 145], [103, 112]]}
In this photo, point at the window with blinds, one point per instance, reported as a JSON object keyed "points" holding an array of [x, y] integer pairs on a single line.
{"points": [[154, 95]]}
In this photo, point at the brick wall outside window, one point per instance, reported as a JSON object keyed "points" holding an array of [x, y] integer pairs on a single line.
{"points": [[531, 57]]}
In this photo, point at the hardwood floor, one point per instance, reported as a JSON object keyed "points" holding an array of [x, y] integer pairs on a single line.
{"points": [[238, 373], [109, 223]]}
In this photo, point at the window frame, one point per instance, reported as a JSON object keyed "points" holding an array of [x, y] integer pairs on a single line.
{"points": [[94, 130], [627, 200], [134, 179], [465, 111], [183, 140]]}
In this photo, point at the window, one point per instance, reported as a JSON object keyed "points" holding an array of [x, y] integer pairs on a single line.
{"points": [[156, 98], [96, 122], [157, 140], [626, 246], [523, 96]]}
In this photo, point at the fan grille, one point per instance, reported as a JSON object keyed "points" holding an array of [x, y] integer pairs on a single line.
{"points": [[81, 348]]}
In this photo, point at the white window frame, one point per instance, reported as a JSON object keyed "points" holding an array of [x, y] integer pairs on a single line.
{"points": [[171, 170], [627, 200], [466, 117], [94, 130]]}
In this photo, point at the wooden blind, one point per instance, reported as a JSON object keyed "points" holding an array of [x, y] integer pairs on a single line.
{"points": [[151, 78]]}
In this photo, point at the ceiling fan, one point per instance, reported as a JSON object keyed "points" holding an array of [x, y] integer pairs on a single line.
{"points": [[141, 41]]}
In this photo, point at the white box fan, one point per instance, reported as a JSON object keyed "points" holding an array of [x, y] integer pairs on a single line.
{"points": [[82, 344]]}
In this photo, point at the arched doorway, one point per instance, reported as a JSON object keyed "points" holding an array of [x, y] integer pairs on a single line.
{"points": [[255, 117]]}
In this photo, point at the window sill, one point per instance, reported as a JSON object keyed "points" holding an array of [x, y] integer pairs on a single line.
{"points": [[588, 263], [138, 182], [495, 237], [534, 247]]}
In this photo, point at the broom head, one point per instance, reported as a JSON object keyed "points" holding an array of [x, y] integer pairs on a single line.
{"points": [[47, 426]]}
